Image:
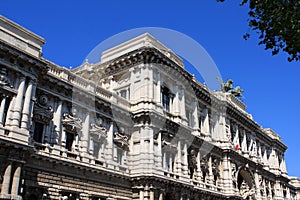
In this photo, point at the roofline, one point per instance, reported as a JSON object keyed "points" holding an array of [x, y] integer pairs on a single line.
{"points": [[22, 29]]}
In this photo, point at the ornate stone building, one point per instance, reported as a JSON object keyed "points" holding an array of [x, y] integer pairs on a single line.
{"points": [[135, 126]]}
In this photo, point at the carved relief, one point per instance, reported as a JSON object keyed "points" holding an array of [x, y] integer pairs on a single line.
{"points": [[98, 132], [245, 190], [71, 122], [4, 81], [121, 139], [42, 112]]}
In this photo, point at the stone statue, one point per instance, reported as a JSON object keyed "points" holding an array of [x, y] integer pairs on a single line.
{"points": [[192, 163], [228, 87]]}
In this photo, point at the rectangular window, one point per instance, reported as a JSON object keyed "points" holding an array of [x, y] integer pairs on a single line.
{"points": [[96, 149], [120, 156], [38, 133], [165, 93], [69, 141]]}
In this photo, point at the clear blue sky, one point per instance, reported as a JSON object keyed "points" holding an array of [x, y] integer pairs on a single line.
{"points": [[272, 91]]}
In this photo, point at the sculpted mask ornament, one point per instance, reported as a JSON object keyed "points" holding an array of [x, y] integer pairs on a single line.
{"points": [[42, 112], [4, 78]]}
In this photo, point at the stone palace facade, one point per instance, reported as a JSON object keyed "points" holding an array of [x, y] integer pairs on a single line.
{"points": [[135, 126]]}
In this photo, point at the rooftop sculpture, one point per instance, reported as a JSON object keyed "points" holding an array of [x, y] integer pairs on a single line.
{"points": [[228, 87]]}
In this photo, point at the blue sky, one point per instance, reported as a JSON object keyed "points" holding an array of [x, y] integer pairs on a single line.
{"points": [[73, 28]]}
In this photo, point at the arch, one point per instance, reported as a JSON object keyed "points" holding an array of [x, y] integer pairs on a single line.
{"points": [[246, 183]]}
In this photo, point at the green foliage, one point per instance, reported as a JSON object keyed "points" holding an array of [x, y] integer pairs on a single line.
{"points": [[278, 24]]}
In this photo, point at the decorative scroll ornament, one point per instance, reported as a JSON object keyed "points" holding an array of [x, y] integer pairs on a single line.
{"points": [[121, 140], [71, 122], [42, 112], [98, 132]]}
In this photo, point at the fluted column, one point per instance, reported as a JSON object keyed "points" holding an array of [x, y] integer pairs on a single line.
{"points": [[26, 113], [2, 110], [16, 115], [6, 180], [16, 181]]}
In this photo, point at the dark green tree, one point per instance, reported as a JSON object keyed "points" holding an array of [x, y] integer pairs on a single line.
{"points": [[278, 24]]}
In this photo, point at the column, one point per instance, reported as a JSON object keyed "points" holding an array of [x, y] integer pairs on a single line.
{"points": [[6, 180], [185, 160], [2, 109], [195, 121], [10, 111], [210, 174], [141, 194], [85, 133], [227, 182], [158, 92], [158, 151], [171, 167], [176, 109], [199, 173], [257, 185], [109, 149], [57, 118], [205, 125], [182, 104], [244, 142], [16, 115], [178, 161], [16, 181], [151, 194], [26, 113], [161, 195]]}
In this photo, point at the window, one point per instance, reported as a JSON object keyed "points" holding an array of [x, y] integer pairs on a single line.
{"points": [[166, 98], [69, 140], [120, 156], [123, 93], [38, 132], [96, 149]]}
